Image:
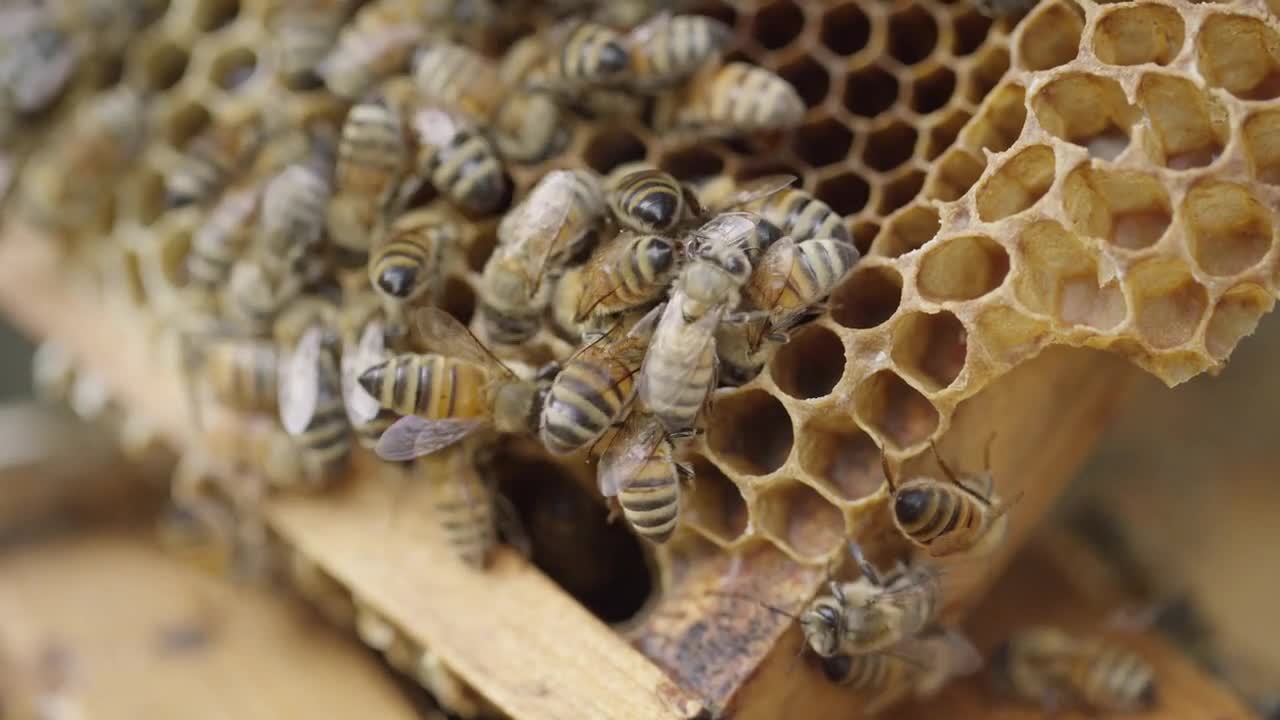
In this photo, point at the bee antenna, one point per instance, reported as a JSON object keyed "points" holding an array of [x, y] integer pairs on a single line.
{"points": [[888, 474], [943, 463], [758, 601]]}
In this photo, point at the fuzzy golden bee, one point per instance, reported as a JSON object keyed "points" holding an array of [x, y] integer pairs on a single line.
{"points": [[463, 501], [529, 126], [306, 32], [458, 159], [669, 48], [411, 262], [242, 373], [579, 55], [558, 220], [1057, 670], [447, 395], [258, 288], [732, 99], [640, 469], [919, 666], [949, 518], [645, 199], [376, 44], [791, 279], [874, 612], [458, 78], [224, 236], [213, 157], [292, 218], [594, 388], [795, 211], [371, 160], [628, 272]]}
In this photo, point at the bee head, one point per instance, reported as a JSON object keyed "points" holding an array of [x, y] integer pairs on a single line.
{"points": [[371, 379], [822, 624]]}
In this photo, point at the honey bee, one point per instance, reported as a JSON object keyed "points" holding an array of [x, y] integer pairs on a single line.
{"points": [[640, 468], [305, 33], [732, 99], [874, 612], [292, 218], [529, 127], [645, 199], [224, 235], [242, 373], [371, 160], [796, 212], [1054, 668], [947, 519], [920, 665], [37, 58], [594, 388], [459, 78], [310, 402], [680, 367], [559, 220], [579, 55], [364, 344], [740, 353], [256, 291], [448, 395], [213, 157], [669, 48], [375, 45], [791, 278], [463, 500], [412, 260], [628, 272], [459, 160], [1004, 8]]}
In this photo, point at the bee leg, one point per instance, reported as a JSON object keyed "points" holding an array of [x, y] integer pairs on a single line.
{"points": [[864, 565], [685, 434], [745, 316]]}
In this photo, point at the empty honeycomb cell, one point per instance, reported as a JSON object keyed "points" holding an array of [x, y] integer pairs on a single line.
{"points": [[106, 73], [480, 247], [809, 78], [1169, 303], [846, 193], [163, 66], [612, 147], [1145, 33], [843, 458], [777, 24], [822, 142], [1017, 184], [148, 197], [1008, 335], [845, 29], [801, 520], [1262, 146], [1240, 54], [971, 28], [944, 131], [692, 163], [864, 232], [1189, 128], [869, 297], [908, 230], [234, 68], [930, 348], [1060, 278], [213, 14], [810, 364], [956, 172], [900, 190], [913, 34], [962, 268], [870, 91], [1127, 208], [932, 90], [752, 433], [999, 123], [1051, 36], [897, 412], [1235, 316], [754, 170], [890, 146], [1087, 110], [722, 11], [459, 299], [1228, 229], [989, 67], [716, 506], [183, 123]]}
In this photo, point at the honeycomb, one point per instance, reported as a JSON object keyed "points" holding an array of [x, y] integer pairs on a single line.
{"points": [[1093, 175]]}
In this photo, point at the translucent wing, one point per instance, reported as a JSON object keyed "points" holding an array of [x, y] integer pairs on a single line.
{"points": [[732, 229], [369, 350], [600, 283], [544, 214], [435, 127], [769, 277], [412, 436], [635, 445], [754, 190], [446, 335], [299, 382]]}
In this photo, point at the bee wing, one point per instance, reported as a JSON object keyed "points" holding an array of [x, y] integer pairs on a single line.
{"points": [[598, 283], [546, 211], [730, 229], [647, 325], [634, 446], [769, 277], [369, 350], [299, 382], [753, 190], [446, 335], [412, 436]]}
